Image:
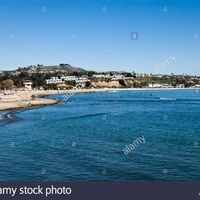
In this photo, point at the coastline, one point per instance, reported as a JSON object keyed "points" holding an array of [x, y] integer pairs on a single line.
{"points": [[22, 100], [8, 117]]}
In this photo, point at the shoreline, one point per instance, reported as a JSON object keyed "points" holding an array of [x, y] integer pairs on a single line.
{"points": [[10, 117], [41, 99], [7, 113]]}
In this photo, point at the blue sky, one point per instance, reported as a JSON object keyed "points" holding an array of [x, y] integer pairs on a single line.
{"points": [[96, 34]]}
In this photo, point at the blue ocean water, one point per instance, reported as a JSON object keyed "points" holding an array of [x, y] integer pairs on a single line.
{"points": [[84, 138]]}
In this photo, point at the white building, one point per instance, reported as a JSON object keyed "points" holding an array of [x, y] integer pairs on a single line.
{"points": [[117, 77], [53, 80], [102, 76], [28, 84], [158, 85], [62, 79], [69, 78], [196, 86], [82, 80]]}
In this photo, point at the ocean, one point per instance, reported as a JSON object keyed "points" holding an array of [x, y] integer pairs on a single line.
{"points": [[97, 137]]}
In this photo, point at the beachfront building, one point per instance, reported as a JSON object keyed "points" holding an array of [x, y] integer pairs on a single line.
{"points": [[115, 77], [54, 80], [196, 86], [180, 85], [62, 79], [28, 84], [158, 85], [106, 76], [82, 80], [68, 78]]}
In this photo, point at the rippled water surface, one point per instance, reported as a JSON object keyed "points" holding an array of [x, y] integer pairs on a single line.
{"points": [[84, 139]]}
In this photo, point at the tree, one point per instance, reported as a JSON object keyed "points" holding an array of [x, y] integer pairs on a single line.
{"points": [[76, 73], [91, 73], [122, 82], [111, 74], [128, 75], [87, 84], [24, 75], [7, 84], [134, 74]]}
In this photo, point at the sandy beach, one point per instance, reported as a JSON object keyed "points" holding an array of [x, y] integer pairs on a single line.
{"points": [[20, 100], [23, 99]]}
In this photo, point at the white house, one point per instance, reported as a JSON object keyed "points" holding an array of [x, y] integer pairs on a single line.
{"points": [[28, 84]]}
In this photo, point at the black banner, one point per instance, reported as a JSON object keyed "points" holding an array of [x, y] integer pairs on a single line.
{"points": [[100, 190]]}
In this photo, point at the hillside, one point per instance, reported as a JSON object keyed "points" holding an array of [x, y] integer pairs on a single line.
{"points": [[41, 69]]}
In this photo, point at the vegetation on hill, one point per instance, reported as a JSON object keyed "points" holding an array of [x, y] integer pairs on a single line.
{"points": [[38, 75]]}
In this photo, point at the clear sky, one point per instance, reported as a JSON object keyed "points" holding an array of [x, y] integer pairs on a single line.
{"points": [[96, 34]]}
